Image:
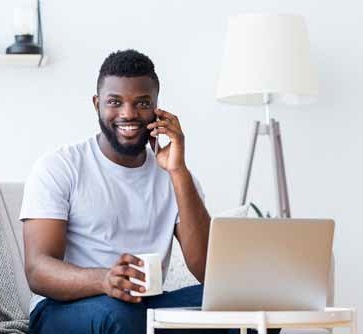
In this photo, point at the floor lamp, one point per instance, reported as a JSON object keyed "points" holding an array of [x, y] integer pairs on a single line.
{"points": [[266, 61]]}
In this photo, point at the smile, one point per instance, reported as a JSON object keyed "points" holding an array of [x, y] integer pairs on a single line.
{"points": [[128, 127], [129, 130]]}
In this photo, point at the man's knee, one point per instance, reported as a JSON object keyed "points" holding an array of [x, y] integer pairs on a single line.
{"points": [[118, 317]]}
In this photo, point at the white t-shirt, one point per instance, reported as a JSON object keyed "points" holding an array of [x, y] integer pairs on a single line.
{"points": [[110, 209]]}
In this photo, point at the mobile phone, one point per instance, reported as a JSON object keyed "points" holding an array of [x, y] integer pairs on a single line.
{"points": [[156, 148]]}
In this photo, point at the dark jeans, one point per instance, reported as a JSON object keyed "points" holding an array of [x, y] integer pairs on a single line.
{"points": [[105, 315]]}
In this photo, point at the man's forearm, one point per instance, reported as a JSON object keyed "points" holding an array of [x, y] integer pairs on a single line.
{"points": [[59, 280], [194, 222]]}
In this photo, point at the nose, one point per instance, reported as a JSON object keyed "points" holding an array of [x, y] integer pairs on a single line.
{"points": [[128, 111]]}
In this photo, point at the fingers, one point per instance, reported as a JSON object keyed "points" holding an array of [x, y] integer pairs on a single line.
{"points": [[122, 283], [163, 124], [165, 119], [127, 271], [120, 287], [162, 114], [123, 295], [165, 129], [117, 281], [168, 124], [127, 258], [172, 134]]}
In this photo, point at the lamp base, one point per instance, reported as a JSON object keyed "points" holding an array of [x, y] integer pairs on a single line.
{"points": [[272, 129], [24, 44]]}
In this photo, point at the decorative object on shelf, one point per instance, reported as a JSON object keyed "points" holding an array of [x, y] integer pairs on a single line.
{"points": [[23, 60], [267, 60], [24, 33]]}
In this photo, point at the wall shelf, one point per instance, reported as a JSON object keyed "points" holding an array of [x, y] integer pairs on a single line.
{"points": [[23, 60]]}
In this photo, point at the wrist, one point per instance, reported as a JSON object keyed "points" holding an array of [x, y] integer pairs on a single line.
{"points": [[179, 172], [100, 281]]}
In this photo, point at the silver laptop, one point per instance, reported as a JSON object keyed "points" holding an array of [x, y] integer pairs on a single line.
{"points": [[267, 264]]}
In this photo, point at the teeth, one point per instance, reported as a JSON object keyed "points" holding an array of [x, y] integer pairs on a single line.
{"points": [[128, 127]]}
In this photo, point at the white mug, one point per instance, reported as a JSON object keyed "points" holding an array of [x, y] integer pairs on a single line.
{"points": [[153, 275]]}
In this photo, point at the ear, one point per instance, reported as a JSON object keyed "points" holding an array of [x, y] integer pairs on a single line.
{"points": [[96, 103]]}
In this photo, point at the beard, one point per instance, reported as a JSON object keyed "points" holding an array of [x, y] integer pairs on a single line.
{"points": [[132, 150]]}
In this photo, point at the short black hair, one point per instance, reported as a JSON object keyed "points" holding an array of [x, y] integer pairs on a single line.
{"points": [[127, 63]]}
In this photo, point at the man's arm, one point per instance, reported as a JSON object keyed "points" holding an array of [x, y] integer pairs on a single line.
{"points": [[193, 229], [48, 275]]}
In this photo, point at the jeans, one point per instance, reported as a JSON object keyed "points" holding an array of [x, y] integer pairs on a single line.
{"points": [[105, 315]]}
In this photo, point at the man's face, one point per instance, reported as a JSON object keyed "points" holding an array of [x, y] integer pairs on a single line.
{"points": [[125, 107]]}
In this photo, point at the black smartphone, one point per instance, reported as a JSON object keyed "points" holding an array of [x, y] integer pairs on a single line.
{"points": [[156, 148]]}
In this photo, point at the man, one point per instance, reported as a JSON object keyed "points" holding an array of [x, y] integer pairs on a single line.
{"points": [[88, 208]]}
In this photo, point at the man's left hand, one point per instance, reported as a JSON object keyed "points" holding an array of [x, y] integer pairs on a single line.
{"points": [[170, 157]]}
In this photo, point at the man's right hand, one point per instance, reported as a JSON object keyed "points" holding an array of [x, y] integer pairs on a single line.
{"points": [[116, 282]]}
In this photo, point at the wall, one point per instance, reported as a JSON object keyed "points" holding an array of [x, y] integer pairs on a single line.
{"points": [[42, 109]]}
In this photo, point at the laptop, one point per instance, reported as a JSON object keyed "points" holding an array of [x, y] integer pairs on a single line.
{"points": [[267, 264]]}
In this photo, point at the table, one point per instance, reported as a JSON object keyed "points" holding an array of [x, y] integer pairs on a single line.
{"points": [[193, 317]]}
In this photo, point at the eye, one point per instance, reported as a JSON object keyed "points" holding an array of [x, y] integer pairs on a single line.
{"points": [[144, 104], [114, 102]]}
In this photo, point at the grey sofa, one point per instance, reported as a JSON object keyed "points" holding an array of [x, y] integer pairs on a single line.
{"points": [[10, 202]]}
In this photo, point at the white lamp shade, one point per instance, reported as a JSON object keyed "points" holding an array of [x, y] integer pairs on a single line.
{"points": [[266, 54]]}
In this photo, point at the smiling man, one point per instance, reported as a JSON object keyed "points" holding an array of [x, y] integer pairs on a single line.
{"points": [[89, 207]]}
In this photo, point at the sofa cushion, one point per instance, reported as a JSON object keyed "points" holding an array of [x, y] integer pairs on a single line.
{"points": [[10, 202], [13, 299]]}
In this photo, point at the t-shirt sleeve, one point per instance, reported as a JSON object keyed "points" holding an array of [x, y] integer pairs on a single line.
{"points": [[200, 192], [47, 189]]}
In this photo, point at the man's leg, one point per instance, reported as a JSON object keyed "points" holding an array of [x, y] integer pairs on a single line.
{"points": [[94, 315], [187, 297]]}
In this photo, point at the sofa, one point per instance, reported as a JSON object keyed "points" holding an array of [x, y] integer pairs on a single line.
{"points": [[10, 203]]}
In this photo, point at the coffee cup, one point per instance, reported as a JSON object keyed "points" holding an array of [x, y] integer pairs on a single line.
{"points": [[153, 275]]}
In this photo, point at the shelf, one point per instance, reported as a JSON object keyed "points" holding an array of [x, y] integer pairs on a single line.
{"points": [[23, 60]]}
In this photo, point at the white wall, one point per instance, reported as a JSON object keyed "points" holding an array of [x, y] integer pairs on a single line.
{"points": [[44, 108]]}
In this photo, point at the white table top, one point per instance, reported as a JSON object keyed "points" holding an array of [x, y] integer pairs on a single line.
{"points": [[328, 317]]}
